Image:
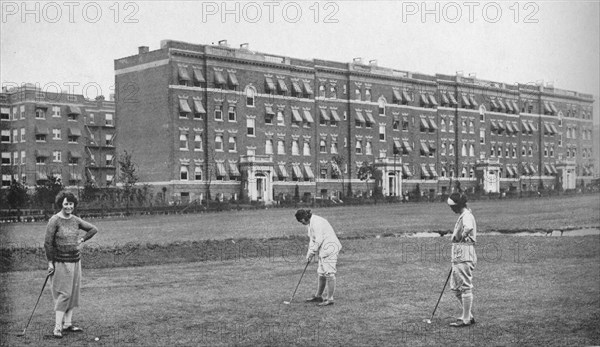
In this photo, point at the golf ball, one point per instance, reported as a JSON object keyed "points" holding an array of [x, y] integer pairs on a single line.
{"points": [[97, 339]]}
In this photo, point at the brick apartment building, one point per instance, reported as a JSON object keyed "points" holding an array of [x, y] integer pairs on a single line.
{"points": [[63, 135], [243, 124]]}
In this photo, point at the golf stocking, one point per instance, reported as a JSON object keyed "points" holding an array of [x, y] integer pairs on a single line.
{"points": [[330, 287], [68, 317], [320, 286], [467, 301], [59, 319]]}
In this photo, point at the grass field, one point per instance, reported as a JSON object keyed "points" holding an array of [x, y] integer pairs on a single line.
{"points": [[528, 290]]}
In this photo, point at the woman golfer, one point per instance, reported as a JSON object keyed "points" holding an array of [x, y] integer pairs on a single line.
{"points": [[463, 257], [64, 239], [324, 243]]}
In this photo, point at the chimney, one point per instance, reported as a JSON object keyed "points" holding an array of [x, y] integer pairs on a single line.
{"points": [[357, 60], [373, 62], [223, 43], [143, 49], [245, 46]]}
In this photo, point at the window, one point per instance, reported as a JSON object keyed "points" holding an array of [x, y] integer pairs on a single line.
{"points": [[280, 118], [451, 149], [5, 114], [250, 93], [219, 112], [358, 147], [443, 148], [306, 149], [464, 126], [295, 147], [280, 147], [109, 179], [552, 151], [560, 140], [493, 151], [321, 91], [482, 136], [40, 113], [15, 138], [381, 132], [197, 142], [219, 143], [73, 161], [471, 127], [471, 173], [472, 150], [451, 125], [443, 125], [57, 156], [22, 111], [22, 134], [109, 122], [323, 173], [108, 138], [73, 139], [55, 111], [5, 136], [499, 151], [231, 113], [523, 151], [530, 151], [183, 141], [269, 146], [198, 173], [404, 123], [514, 151], [463, 150], [333, 91], [23, 153], [56, 134], [40, 137], [381, 107], [368, 148], [183, 173], [322, 146], [506, 152], [367, 94], [357, 94], [232, 144], [5, 158], [334, 146], [250, 126]]}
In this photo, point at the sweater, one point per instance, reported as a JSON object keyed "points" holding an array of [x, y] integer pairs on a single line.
{"points": [[62, 238]]}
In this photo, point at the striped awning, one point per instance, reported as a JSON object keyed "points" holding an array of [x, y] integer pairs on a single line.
{"points": [[324, 114], [296, 172], [296, 87], [397, 147], [406, 97], [73, 109], [221, 171], [296, 115], [432, 124], [219, 78], [183, 73], [233, 170], [269, 84], [453, 101], [397, 96], [424, 99], [370, 117], [432, 171], [307, 88], [74, 131], [406, 170], [424, 148], [473, 101], [184, 107], [432, 100], [335, 116], [526, 128], [465, 100], [281, 85], [233, 81], [407, 146], [308, 116], [308, 172], [198, 76], [282, 171], [424, 171], [424, 123], [198, 107], [359, 117]]}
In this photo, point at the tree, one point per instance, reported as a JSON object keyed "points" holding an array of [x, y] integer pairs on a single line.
{"points": [[368, 171], [128, 177], [340, 162], [45, 193], [17, 195]]}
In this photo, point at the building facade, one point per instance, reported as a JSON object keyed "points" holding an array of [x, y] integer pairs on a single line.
{"points": [[47, 134], [211, 120]]}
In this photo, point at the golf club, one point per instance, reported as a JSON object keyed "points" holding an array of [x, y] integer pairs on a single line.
{"points": [[428, 321], [289, 302], [34, 307]]}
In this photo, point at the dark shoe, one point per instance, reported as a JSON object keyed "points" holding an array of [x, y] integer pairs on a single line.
{"points": [[472, 320], [326, 303], [57, 333], [72, 329], [460, 323], [314, 299]]}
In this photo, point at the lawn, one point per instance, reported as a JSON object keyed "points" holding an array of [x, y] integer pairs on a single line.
{"points": [[528, 291]]}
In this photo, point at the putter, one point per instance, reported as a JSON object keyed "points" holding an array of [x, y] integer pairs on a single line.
{"points": [[294, 294], [34, 307], [428, 321]]}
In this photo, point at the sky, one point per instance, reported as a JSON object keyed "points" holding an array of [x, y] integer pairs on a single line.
{"points": [[72, 45]]}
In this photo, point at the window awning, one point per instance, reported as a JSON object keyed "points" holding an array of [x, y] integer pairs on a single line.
{"points": [[45, 107], [281, 171], [324, 114], [553, 168], [515, 106], [465, 100], [509, 170], [552, 107], [269, 110], [74, 154], [296, 115], [282, 86], [432, 100], [424, 99], [445, 100], [42, 130], [515, 127], [526, 170], [494, 104], [554, 130], [407, 146], [219, 79], [184, 106], [296, 88], [526, 128], [501, 126], [406, 97], [397, 95], [532, 126], [432, 147], [198, 76], [547, 107], [509, 128], [453, 101], [501, 105], [233, 170], [424, 123], [270, 84], [75, 176], [307, 88], [73, 109], [397, 146], [424, 172], [359, 117], [335, 116], [473, 101], [548, 170], [432, 171], [308, 171], [424, 148], [406, 170], [198, 108], [42, 153], [221, 169], [296, 172], [183, 73], [308, 116], [509, 106], [41, 175], [335, 167], [547, 129], [493, 125], [370, 117], [74, 131], [432, 124], [233, 79], [532, 169]]}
